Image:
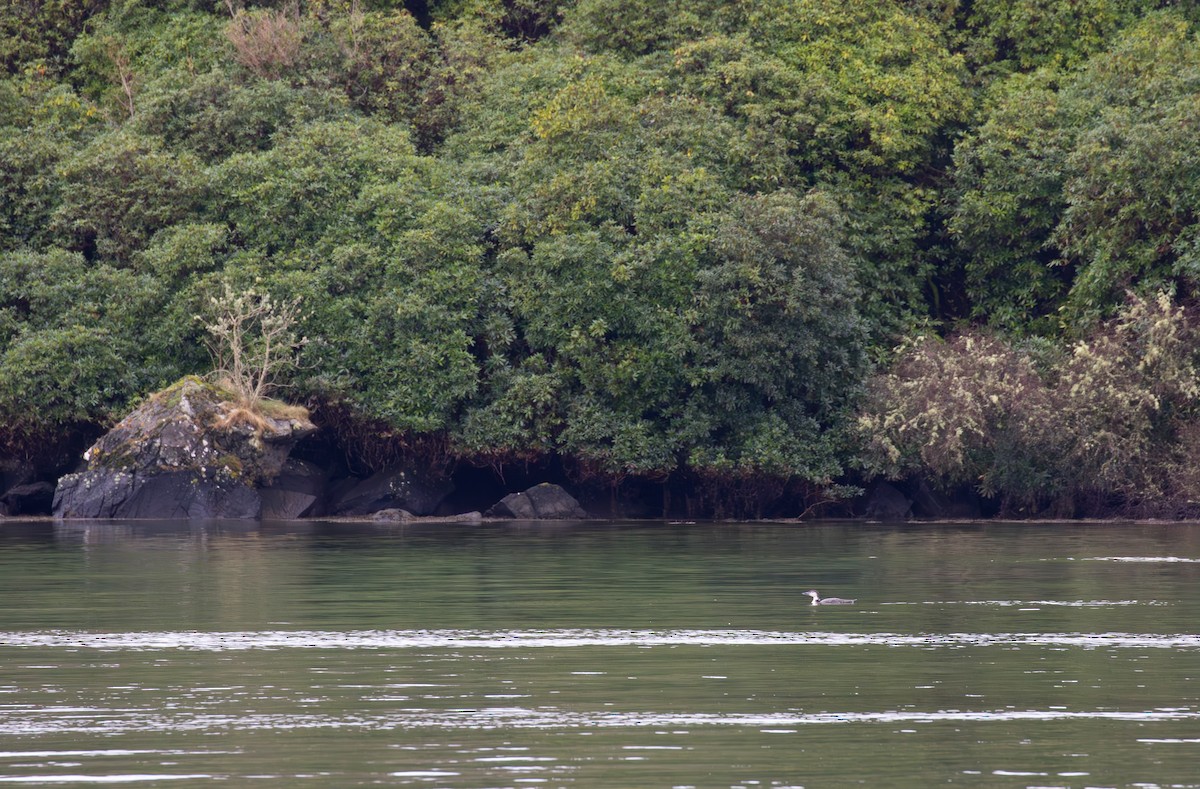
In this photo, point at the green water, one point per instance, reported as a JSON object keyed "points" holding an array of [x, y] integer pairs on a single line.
{"points": [[599, 655]]}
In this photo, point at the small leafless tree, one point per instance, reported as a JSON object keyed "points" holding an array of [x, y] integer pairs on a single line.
{"points": [[253, 340]]}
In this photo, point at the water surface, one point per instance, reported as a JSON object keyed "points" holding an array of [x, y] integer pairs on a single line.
{"points": [[599, 655]]}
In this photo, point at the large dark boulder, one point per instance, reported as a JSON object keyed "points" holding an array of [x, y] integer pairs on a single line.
{"points": [[13, 474], [189, 451], [541, 502], [32, 498], [166, 495], [393, 489]]}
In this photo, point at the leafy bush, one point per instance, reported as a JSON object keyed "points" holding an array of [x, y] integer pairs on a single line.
{"points": [[120, 189], [57, 380], [971, 410], [1111, 426], [41, 34], [1092, 173], [1132, 393], [386, 61], [214, 114]]}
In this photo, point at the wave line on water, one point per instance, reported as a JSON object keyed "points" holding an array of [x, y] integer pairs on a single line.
{"points": [[565, 639], [493, 718], [1015, 603], [99, 779], [1153, 559], [59, 754]]}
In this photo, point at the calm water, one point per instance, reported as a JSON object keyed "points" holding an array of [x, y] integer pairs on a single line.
{"points": [[599, 655]]}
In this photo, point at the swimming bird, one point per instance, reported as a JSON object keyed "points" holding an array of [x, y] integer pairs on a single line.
{"points": [[818, 600]]}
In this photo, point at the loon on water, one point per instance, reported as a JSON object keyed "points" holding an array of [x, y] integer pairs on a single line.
{"points": [[818, 600]]}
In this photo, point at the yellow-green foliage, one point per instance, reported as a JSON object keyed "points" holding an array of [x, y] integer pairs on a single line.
{"points": [[959, 410], [1113, 423], [1129, 391]]}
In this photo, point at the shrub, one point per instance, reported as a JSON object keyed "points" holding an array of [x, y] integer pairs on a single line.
{"points": [[1131, 393], [1113, 426], [59, 380], [970, 410], [266, 41], [122, 188], [386, 60]]}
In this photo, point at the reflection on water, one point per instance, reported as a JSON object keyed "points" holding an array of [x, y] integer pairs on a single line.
{"points": [[598, 655]]}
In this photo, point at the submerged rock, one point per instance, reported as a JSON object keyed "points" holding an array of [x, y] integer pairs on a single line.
{"points": [[189, 451], [541, 502], [404, 516]]}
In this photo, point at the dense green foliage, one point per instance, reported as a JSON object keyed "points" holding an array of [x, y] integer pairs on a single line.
{"points": [[647, 237]]}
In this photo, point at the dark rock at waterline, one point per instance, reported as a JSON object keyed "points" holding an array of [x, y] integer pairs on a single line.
{"points": [[13, 473], [32, 498], [282, 504], [885, 502], [393, 489], [392, 516], [404, 516], [541, 502], [298, 491], [187, 452], [168, 495]]}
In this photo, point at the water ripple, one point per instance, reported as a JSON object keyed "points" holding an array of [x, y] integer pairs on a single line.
{"points": [[98, 779], [1164, 559], [1015, 603], [491, 718], [568, 638]]}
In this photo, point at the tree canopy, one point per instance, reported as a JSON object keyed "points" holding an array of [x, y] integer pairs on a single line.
{"points": [[653, 238]]}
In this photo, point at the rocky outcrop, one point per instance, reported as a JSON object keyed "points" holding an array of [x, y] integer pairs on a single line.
{"points": [[189, 451], [541, 502]]}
